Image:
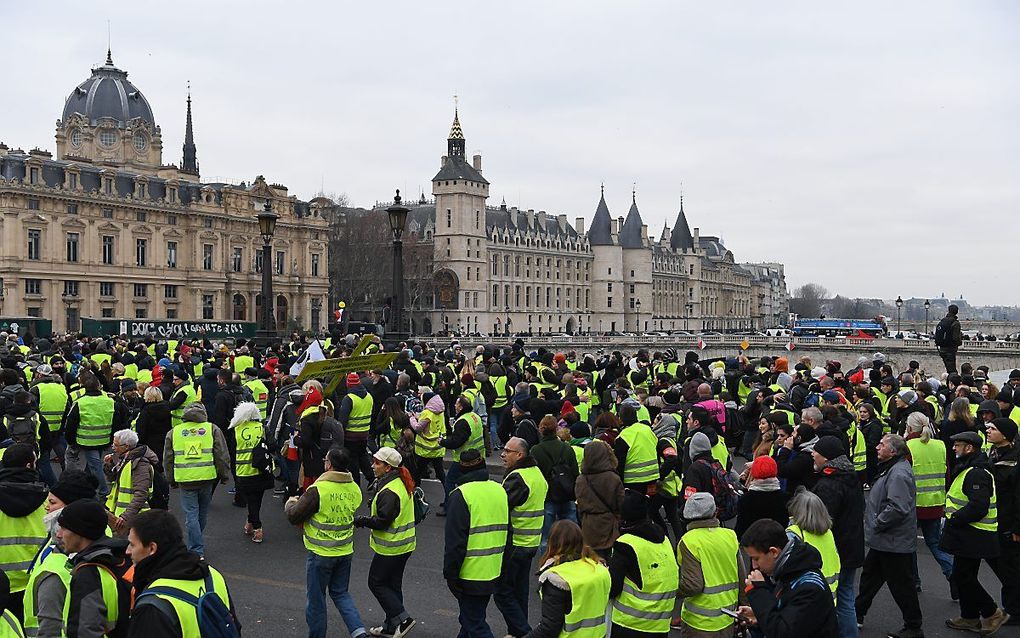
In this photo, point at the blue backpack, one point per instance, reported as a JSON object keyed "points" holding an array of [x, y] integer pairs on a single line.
{"points": [[214, 618]]}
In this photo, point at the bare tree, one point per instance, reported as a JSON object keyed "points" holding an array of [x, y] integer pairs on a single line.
{"points": [[809, 300]]}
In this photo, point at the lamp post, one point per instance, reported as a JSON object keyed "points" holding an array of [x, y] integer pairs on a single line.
{"points": [[267, 228], [509, 321], [927, 307], [899, 306], [398, 219], [637, 304], [689, 307]]}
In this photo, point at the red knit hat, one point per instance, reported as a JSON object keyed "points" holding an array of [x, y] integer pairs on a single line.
{"points": [[559, 357], [567, 408], [764, 467], [353, 380]]}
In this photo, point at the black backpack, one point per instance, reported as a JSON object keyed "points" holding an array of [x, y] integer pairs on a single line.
{"points": [[160, 497], [726, 490], [214, 617], [561, 479], [22, 429], [942, 333]]}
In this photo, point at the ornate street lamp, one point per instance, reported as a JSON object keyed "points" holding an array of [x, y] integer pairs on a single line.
{"points": [[267, 228], [899, 306], [398, 219], [637, 304], [927, 307]]}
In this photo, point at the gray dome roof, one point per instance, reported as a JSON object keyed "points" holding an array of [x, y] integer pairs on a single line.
{"points": [[108, 94]]}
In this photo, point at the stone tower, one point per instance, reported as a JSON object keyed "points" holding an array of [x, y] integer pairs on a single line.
{"points": [[461, 254], [607, 293], [637, 270]]}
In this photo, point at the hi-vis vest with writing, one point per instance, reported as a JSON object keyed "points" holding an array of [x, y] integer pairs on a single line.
{"points": [[193, 452]]}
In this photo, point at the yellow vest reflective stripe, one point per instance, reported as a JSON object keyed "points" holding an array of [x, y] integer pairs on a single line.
{"points": [[95, 422], [111, 597], [193, 452], [20, 538], [242, 362], [52, 403], [672, 482], [716, 549], [426, 442], [589, 584], [177, 415], [826, 546], [649, 608], [502, 397], [471, 394], [476, 439], [860, 449], [488, 518], [526, 519], [187, 614], [260, 393], [642, 464], [9, 626], [361, 413], [123, 491], [956, 499], [247, 435], [929, 463], [330, 531], [54, 563], [883, 403], [399, 537]]}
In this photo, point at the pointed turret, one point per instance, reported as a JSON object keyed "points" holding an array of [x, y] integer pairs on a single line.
{"points": [[664, 237], [631, 235], [190, 162], [681, 238], [455, 143], [601, 233]]}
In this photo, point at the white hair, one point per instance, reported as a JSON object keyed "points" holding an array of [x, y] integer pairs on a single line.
{"points": [[126, 437]]}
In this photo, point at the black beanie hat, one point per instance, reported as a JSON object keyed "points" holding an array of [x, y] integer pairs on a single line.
{"points": [[74, 485], [1006, 426], [635, 506], [830, 447], [86, 518]]}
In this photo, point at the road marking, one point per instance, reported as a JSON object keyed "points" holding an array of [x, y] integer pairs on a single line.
{"points": [[265, 581]]}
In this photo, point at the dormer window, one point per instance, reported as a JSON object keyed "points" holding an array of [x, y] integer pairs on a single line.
{"points": [[140, 141], [107, 138], [76, 137], [33, 175]]}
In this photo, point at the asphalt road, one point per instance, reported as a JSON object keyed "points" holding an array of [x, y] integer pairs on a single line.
{"points": [[267, 581]]}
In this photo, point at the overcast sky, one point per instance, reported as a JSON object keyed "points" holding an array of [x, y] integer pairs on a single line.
{"points": [[873, 147]]}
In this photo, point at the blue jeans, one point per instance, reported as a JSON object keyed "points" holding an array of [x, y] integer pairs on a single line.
{"points": [[452, 474], [472, 616], [91, 461], [556, 512], [932, 531], [195, 504], [495, 416], [332, 573], [58, 447], [846, 614], [511, 595]]}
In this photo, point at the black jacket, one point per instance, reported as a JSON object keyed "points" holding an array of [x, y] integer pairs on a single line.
{"points": [[624, 563], [954, 333], [223, 409], [209, 386], [387, 505], [840, 489], [152, 425], [517, 491], [73, 420], [872, 430], [796, 467], [755, 504], [698, 477], [458, 520], [21, 491], [152, 617], [958, 537], [461, 432], [799, 603], [84, 612], [1006, 469]]}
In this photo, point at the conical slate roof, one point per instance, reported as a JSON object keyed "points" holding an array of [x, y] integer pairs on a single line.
{"points": [[631, 236], [601, 231], [681, 239]]}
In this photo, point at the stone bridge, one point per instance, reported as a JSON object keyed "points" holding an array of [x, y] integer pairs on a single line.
{"points": [[997, 355]]}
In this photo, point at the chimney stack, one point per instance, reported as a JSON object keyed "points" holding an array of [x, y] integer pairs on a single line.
{"points": [[579, 225], [476, 161], [696, 233], [562, 221], [644, 233]]}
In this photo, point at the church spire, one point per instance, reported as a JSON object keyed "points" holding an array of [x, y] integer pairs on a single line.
{"points": [[455, 143], [190, 163]]}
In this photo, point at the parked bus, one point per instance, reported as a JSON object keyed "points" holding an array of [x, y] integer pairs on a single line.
{"points": [[837, 328]]}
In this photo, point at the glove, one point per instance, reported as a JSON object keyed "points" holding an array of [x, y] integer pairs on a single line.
{"points": [[360, 521]]}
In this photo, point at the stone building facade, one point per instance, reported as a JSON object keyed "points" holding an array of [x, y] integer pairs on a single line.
{"points": [[499, 269], [105, 229]]}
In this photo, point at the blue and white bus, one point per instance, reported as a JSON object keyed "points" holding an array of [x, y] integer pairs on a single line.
{"points": [[837, 327]]}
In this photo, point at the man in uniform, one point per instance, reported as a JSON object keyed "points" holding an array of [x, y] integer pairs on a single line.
{"points": [[526, 490], [477, 518], [156, 548], [326, 510]]}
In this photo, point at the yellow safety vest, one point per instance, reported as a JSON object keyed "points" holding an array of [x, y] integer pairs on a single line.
{"points": [[956, 499], [177, 415], [716, 549], [589, 584], [826, 546], [399, 537], [641, 465], [476, 440], [330, 531], [488, 519], [502, 396], [860, 449], [52, 403], [526, 519], [426, 442], [187, 613], [193, 452], [131, 370], [242, 362], [247, 435], [95, 422], [672, 482], [123, 491], [260, 393], [650, 607], [361, 413], [20, 538], [9, 626], [54, 563], [929, 463]]}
